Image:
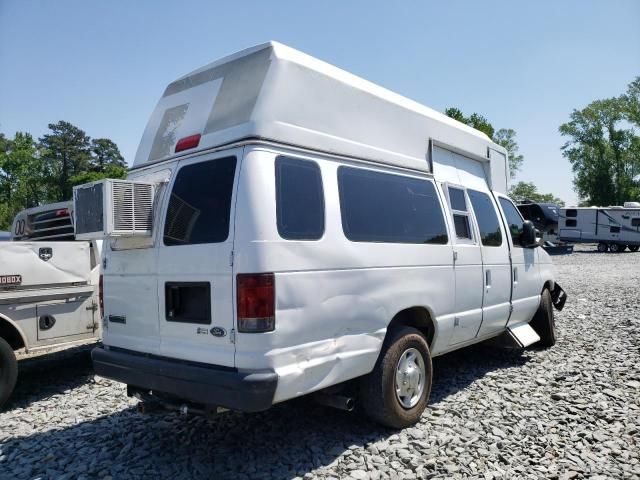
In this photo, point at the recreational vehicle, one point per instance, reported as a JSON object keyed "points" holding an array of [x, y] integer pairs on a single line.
{"points": [[289, 228], [48, 288], [614, 229]]}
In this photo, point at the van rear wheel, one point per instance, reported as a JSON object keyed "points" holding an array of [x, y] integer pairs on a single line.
{"points": [[395, 394], [634, 248], [8, 371], [544, 322]]}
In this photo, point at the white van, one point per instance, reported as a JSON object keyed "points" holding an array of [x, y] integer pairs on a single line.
{"points": [[288, 227]]}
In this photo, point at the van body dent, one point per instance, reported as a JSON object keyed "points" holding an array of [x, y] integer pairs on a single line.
{"points": [[310, 228]]}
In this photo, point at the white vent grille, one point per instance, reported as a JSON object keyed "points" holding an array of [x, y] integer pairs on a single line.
{"points": [[132, 207]]}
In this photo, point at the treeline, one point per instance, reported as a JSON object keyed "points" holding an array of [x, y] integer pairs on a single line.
{"points": [[36, 172], [603, 147]]}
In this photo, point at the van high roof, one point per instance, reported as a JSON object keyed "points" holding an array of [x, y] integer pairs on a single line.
{"points": [[274, 92]]}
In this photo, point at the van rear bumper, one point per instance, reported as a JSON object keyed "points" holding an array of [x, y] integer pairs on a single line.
{"points": [[250, 391]]}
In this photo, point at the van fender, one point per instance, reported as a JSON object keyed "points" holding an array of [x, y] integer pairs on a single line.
{"points": [[16, 328]]}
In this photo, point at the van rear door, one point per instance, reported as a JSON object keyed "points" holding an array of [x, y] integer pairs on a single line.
{"points": [[195, 254]]}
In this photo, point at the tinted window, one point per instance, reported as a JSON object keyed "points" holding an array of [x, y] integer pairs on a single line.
{"points": [[456, 196], [487, 219], [572, 213], [569, 222], [635, 222], [380, 207], [614, 229], [461, 222], [299, 199], [200, 203], [514, 220]]}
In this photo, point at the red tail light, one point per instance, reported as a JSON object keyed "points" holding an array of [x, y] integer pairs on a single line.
{"points": [[186, 143], [62, 212], [101, 297], [256, 302]]}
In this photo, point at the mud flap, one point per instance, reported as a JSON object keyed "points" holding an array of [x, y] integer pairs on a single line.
{"points": [[558, 297]]}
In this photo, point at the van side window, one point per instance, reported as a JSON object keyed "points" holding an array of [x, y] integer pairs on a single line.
{"points": [[460, 215], [200, 203], [572, 212], [383, 207], [299, 199], [487, 218], [514, 220]]}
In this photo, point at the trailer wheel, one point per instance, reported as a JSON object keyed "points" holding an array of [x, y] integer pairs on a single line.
{"points": [[616, 248], [543, 322], [8, 371], [603, 247], [634, 248], [395, 393]]}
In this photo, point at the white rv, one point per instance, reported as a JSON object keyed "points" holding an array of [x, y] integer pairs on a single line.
{"points": [[289, 228], [48, 288], [614, 229]]}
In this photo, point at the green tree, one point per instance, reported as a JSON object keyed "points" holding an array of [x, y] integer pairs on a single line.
{"points": [[602, 148], [506, 137], [67, 151], [525, 192], [106, 154], [23, 176], [110, 171]]}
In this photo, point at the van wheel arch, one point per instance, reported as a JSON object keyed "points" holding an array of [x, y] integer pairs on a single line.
{"points": [[417, 317], [11, 334], [548, 285]]}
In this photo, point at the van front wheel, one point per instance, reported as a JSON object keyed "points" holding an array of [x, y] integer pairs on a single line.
{"points": [[395, 394], [8, 371]]}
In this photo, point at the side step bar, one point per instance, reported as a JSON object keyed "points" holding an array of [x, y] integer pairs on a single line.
{"points": [[522, 335]]}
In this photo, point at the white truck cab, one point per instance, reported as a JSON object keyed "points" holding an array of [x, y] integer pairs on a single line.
{"points": [[307, 228]]}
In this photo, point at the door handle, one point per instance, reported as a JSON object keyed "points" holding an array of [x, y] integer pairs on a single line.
{"points": [[515, 274], [487, 278]]}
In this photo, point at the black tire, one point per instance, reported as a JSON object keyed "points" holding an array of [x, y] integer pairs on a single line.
{"points": [[378, 389], [634, 248], [8, 371], [603, 247], [543, 321], [616, 248]]}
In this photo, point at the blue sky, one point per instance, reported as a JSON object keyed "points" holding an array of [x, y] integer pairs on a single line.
{"points": [[523, 65]]}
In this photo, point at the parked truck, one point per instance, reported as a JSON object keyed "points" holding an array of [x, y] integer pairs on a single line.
{"points": [[614, 228], [288, 228], [48, 288]]}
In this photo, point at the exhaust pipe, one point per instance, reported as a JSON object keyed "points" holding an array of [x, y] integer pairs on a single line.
{"points": [[340, 402]]}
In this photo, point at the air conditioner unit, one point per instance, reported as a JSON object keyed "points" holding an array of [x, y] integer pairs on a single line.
{"points": [[113, 208]]}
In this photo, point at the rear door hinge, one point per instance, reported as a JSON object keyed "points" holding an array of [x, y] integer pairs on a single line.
{"points": [[455, 256], [232, 336], [231, 259]]}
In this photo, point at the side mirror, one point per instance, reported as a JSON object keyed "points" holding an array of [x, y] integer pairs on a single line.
{"points": [[528, 239]]}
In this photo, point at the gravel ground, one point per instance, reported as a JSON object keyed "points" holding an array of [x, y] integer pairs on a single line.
{"points": [[569, 412]]}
